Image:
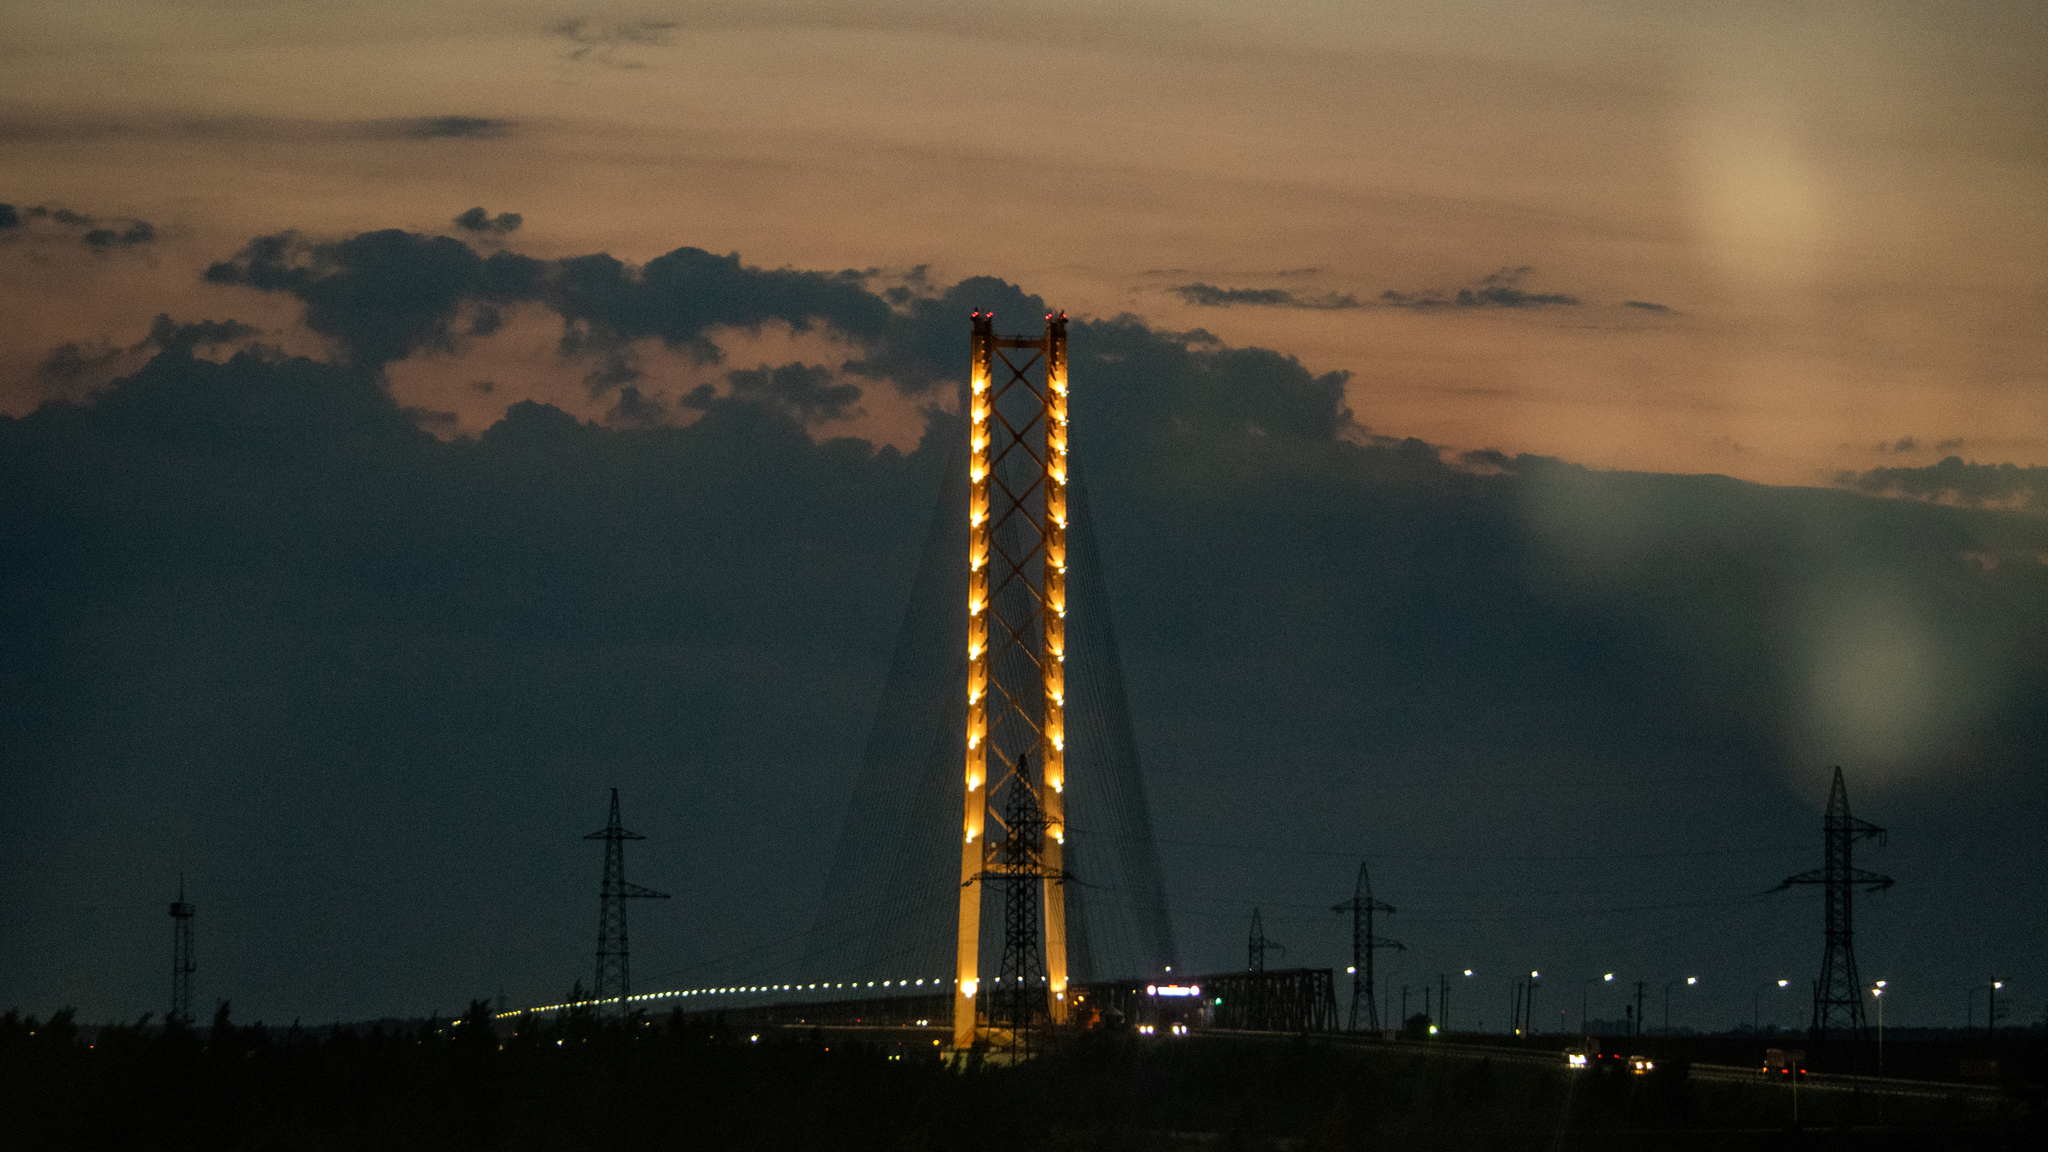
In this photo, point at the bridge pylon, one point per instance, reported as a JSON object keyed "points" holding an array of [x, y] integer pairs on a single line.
{"points": [[1016, 668]]}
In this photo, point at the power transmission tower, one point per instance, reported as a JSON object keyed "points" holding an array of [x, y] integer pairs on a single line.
{"points": [[182, 963], [1362, 906], [1018, 1005], [1257, 946], [1837, 995], [1016, 640], [613, 967]]}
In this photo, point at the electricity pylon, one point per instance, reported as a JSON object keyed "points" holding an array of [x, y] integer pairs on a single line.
{"points": [[182, 963], [613, 958], [1016, 642], [1362, 906], [1258, 944], [1837, 995]]}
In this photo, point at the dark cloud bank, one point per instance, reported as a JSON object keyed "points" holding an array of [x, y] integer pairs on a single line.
{"points": [[368, 686]]}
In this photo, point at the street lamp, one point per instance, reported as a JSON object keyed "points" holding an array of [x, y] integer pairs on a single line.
{"points": [[1689, 980], [1877, 994], [1755, 1015], [1533, 977]]}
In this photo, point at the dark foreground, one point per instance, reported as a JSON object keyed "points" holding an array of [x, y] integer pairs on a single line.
{"points": [[690, 1083]]}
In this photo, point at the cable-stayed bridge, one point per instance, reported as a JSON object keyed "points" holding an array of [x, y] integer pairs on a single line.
{"points": [[1053, 877]]}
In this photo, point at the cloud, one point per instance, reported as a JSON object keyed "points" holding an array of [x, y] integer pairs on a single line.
{"points": [[1498, 290], [256, 129], [478, 220], [1909, 444], [602, 43], [452, 128], [72, 365], [75, 370], [136, 232], [1645, 305], [385, 295], [100, 235], [168, 334], [804, 391], [679, 296], [635, 410], [615, 369], [382, 294], [1953, 481], [1209, 296]]}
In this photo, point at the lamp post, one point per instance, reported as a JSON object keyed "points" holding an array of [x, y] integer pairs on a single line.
{"points": [[1688, 981], [1755, 1014], [1531, 1007], [1877, 994], [1605, 979]]}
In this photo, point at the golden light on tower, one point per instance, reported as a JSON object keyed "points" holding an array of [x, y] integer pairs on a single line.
{"points": [[1020, 487]]}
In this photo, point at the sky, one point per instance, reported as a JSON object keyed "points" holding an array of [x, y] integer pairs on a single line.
{"points": [[1532, 443]]}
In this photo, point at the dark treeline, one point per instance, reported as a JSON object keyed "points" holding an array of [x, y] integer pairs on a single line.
{"points": [[688, 1082]]}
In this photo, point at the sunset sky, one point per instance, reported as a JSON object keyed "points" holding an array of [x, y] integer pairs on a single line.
{"points": [[1838, 211], [1415, 347]]}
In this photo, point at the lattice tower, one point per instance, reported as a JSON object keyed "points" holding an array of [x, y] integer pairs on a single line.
{"points": [[182, 963], [1838, 995], [1363, 942], [614, 979]]}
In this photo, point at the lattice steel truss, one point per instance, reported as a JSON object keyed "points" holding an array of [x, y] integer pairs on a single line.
{"points": [[1363, 943], [1017, 1006], [614, 978], [1838, 995], [1276, 1000], [182, 963], [1016, 650]]}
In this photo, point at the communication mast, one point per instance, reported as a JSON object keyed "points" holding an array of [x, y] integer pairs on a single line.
{"points": [[1837, 995], [613, 958], [182, 964], [1362, 906], [1016, 656]]}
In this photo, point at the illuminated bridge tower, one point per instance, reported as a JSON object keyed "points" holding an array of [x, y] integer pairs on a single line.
{"points": [[1016, 662]]}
